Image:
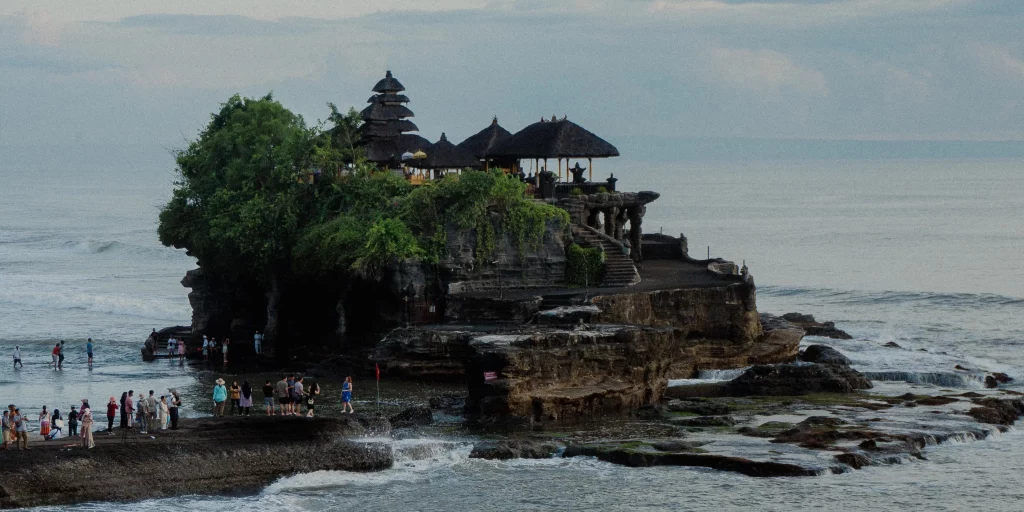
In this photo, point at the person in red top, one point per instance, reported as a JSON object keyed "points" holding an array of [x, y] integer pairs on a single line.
{"points": [[111, 414], [55, 353]]}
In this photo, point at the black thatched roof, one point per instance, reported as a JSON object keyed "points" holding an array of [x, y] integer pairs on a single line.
{"points": [[378, 112], [445, 155], [390, 149], [388, 98], [554, 139], [387, 129], [388, 84], [483, 142]]}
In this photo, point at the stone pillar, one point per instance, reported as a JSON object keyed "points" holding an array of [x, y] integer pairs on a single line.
{"points": [[620, 223], [609, 221], [594, 218], [636, 215]]}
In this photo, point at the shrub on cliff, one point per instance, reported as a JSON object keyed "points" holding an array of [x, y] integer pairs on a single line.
{"points": [[584, 266]]}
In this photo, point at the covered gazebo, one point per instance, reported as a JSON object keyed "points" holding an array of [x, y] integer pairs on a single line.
{"points": [[482, 144], [555, 139], [443, 155]]}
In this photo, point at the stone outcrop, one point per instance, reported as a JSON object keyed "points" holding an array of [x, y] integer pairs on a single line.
{"points": [[568, 374], [814, 328], [797, 379], [823, 354], [513, 449], [726, 312], [206, 456]]}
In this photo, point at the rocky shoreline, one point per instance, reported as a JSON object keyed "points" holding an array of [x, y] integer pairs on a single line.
{"points": [[208, 456]]}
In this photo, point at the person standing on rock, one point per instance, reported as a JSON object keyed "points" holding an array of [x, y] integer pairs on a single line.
{"points": [[128, 411], [143, 414], [86, 416], [268, 397], [173, 408], [181, 352], [314, 389], [88, 350], [220, 395], [257, 342], [236, 396], [111, 414], [20, 429], [206, 349], [44, 423], [281, 390], [154, 410], [245, 398], [163, 418], [298, 395], [17, 357], [124, 410], [346, 396], [224, 350], [73, 422]]}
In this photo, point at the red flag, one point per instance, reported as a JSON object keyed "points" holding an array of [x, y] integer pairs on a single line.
{"points": [[378, 370]]}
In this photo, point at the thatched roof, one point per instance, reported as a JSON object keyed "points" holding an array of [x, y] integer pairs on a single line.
{"points": [[445, 155], [379, 112], [387, 129], [390, 149], [483, 142], [388, 98], [388, 84], [554, 139]]}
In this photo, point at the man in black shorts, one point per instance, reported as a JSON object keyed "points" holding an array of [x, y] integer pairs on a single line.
{"points": [[282, 392]]}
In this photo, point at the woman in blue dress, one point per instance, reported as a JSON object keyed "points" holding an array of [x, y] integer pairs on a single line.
{"points": [[346, 396]]}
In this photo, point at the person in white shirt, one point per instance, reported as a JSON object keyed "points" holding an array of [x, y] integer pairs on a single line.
{"points": [[172, 345], [17, 357], [206, 349]]}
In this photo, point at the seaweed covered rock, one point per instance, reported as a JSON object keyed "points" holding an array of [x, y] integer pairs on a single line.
{"points": [[796, 379]]}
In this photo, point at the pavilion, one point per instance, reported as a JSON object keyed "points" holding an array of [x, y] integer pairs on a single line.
{"points": [[559, 139], [482, 144]]}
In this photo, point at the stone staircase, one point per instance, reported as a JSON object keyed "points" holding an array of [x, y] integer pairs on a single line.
{"points": [[619, 270]]}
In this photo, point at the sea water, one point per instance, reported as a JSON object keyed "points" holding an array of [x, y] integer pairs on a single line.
{"points": [[924, 254]]}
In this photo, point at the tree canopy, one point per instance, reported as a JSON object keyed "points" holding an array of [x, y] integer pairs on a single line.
{"points": [[246, 204]]}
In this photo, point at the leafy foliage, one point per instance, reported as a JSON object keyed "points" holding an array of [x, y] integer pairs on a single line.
{"points": [[584, 265], [246, 202]]}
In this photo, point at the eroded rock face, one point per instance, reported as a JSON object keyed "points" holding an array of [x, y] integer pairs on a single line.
{"points": [[796, 379], [563, 375], [722, 312]]}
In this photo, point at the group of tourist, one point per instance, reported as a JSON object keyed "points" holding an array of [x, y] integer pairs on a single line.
{"points": [[147, 413], [288, 394], [14, 425], [56, 355]]}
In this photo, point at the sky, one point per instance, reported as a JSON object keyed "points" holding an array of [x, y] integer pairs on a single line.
{"points": [[645, 74]]}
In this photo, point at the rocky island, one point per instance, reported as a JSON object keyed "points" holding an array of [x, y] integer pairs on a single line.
{"points": [[365, 246]]}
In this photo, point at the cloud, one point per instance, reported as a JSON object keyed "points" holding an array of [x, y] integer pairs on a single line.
{"points": [[998, 61], [796, 13], [762, 72]]}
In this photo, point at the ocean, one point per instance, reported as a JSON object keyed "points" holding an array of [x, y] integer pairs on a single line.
{"points": [[924, 254]]}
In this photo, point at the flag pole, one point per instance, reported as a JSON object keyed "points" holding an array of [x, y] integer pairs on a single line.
{"points": [[377, 366]]}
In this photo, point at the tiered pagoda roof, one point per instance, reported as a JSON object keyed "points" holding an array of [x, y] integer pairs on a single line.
{"points": [[385, 125]]}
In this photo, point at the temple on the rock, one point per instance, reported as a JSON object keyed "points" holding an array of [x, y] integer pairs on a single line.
{"points": [[387, 135]]}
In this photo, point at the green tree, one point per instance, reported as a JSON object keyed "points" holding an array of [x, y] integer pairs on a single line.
{"points": [[241, 196]]}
